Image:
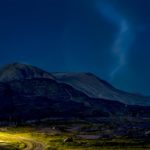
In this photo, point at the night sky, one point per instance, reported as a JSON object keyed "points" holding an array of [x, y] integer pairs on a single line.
{"points": [[110, 38]]}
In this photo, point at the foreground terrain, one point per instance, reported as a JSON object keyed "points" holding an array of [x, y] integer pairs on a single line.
{"points": [[78, 135]]}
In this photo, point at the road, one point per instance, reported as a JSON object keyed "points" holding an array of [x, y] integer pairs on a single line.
{"points": [[12, 139]]}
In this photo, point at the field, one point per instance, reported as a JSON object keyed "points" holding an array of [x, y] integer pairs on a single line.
{"points": [[74, 136]]}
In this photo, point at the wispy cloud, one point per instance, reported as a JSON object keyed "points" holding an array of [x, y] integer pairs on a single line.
{"points": [[124, 37]]}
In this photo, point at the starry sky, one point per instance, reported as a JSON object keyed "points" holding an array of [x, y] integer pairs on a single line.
{"points": [[110, 38]]}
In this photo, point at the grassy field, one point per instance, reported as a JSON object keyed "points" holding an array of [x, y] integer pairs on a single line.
{"points": [[65, 137]]}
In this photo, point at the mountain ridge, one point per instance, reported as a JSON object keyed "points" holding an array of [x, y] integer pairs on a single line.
{"points": [[95, 87], [88, 83], [27, 94]]}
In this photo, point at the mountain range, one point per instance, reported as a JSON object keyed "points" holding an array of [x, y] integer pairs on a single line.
{"points": [[27, 93]]}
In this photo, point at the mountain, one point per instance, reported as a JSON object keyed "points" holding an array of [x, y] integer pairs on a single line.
{"points": [[38, 98], [62, 99], [17, 71], [95, 87], [28, 93]]}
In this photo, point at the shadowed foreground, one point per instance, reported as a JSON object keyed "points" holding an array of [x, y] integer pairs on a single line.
{"points": [[75, 136]]}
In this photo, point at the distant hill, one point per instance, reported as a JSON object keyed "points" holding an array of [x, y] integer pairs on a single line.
{"points": [[95, 87]]}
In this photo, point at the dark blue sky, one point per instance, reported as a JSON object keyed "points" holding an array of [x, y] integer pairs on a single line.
{"points": [[110, 38]]}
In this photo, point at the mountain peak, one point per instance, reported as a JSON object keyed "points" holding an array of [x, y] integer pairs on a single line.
{"points": [[19, 71]]}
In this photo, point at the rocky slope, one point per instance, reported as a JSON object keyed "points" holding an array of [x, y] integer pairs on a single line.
{"points": [[97, 88], [41, 98]]}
